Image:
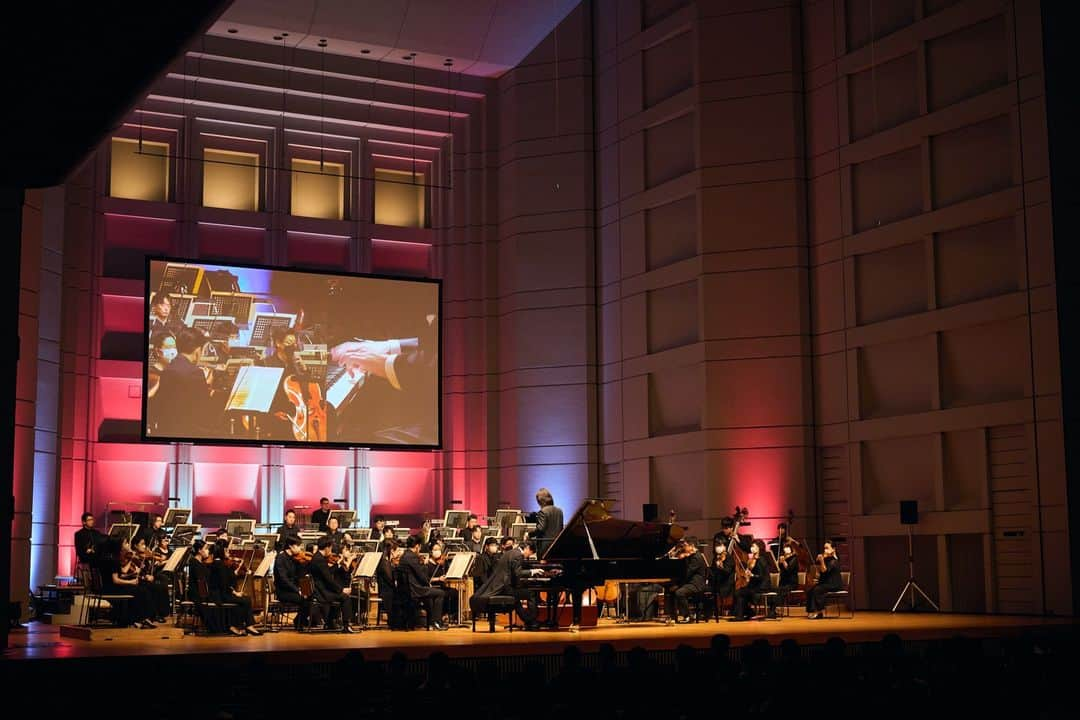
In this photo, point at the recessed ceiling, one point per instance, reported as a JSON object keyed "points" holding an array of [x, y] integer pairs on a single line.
{"points": [[482, 37]]}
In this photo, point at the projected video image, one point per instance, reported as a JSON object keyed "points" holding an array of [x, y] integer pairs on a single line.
{"points": [[251, 354]]}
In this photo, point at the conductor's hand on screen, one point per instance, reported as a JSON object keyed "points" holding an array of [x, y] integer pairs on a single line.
{"points": [[365, 355]]}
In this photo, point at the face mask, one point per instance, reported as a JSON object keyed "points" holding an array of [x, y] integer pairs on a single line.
{"points": [[169, 354], [436, 553]]}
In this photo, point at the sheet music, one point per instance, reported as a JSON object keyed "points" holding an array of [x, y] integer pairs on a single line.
{"points": [[339, 391], [459, 565], [175, 559], [367, 565], [254, 388], [266, 565]]}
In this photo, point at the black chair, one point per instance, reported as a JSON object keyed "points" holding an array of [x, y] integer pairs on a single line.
{"points": [[836, 598], [114, 602]]}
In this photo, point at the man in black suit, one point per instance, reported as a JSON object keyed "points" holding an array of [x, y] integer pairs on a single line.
{"points": [[287, 581], [474, 539], [418, 583], [384, 576], [549, 520], [693, 584], [503, 580], [327, 587], [185, 405], [88, 540], [321, 515], [154, 533], [335, 533]]}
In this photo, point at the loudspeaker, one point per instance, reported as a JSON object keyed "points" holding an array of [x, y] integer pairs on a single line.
{"points": [[650, 512], [909, 512]]}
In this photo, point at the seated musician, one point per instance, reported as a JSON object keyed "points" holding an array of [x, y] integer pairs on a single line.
{"points": [[287, 581], [185, 403], [829, 580], [722, 574], [504, 580], [384, 577], [758, 576], [377, 525], [788, 564], [154, 532], [160, 606], [417, 583], [120, 575], [336, 535], [474, 539], [280, 423], [728, 532], [387, 535], [694, 583], [485, 561], [289, 530], [329, 588], [88, 541], [198, 586], [239, 619]]}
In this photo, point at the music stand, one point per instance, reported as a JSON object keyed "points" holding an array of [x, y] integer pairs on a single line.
{"points": [[359, 533], [239, 527], [124, 530], [456, 518], [265, 323], [505, 517], [368, 546], [269, 540], [176, 516], [266, 565], [184, 534], [911, 586], [345, 517], [518, 531], [367, 566], [175, 559], [402, 533]]}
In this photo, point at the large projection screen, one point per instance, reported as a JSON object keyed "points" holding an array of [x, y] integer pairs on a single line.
{"points": [[257, 355]]}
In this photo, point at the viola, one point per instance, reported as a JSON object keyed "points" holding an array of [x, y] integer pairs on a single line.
{"points": [[316, 413], [294, 392], [303, 557]]}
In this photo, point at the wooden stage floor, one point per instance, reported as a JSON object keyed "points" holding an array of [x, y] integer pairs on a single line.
{"points": [[42, 641]]}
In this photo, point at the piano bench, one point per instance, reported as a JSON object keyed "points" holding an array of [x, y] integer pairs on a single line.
{"points": [[498, 604]]}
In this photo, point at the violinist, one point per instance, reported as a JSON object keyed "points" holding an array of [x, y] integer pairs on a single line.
{"points": [[829, 580], [287, 581], [387, 535], [415, 582], [329, 589], [282, 422], [384, 577], [120, 576], [694, 583], [143, 556], [335, 534], [786, 561], [722, 574], [758, 575], [240, 617], [474, 539], [154, 532], [198, 587], [289, 530], [88, 541]]}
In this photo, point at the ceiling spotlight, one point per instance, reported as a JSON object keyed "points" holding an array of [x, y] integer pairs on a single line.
{"points": [[284, 34], [365, 51], [233, 31]]}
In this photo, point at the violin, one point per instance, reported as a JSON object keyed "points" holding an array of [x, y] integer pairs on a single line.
{"points": [[303, 557]]}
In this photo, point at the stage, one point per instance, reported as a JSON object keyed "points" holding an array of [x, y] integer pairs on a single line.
{"points": [[43, 642]]}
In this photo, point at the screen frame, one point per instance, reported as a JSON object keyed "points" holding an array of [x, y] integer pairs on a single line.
{"points": [[245, 442]]}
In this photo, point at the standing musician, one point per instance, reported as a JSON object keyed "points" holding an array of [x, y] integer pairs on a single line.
{"points": [[549, 520], [695, 582], [287, 581], [758, 575], [829, 580], [328, 587], [416, 583], [289, 530], [321, 515], [88, 541], [722, 574], [240, 618]]}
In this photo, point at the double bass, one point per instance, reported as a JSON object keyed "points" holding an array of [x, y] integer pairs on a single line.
{"points": [[735, 549]]}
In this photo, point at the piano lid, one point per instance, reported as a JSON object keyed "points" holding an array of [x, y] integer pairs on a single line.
{"points": [[594, 534]]}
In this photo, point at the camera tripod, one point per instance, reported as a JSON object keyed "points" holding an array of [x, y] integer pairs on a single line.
{"points": [[912, 586]]}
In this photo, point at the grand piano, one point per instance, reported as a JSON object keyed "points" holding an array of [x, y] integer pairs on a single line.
{"points": [[594, 546]]}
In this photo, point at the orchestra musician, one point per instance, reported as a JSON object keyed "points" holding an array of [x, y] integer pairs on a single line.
{"points": [[154, 532], [160, 307], [187, 403], [240, 618], [120, 575], [694, 584], [328, 587], [503, 580], [485, 561], [474, 539], [283, 410], [786, 561], [287, 582], [470, 522], [337, 536], [288, 530], [758, 575], [722, 574], [321, 515], [160, 606], [377, 525], [387, 535], [384, 577], [829, 580], [88, 540], [417, 586]]}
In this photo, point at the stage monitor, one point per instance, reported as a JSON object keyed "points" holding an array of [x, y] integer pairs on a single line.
{"points": [[318, 359]]}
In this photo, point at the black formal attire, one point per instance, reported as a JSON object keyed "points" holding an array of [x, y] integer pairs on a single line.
{"points": [[384, 577], [722, 579], [139, 608], [417, 580], [476, 547], [88, 542], [222, 583], [320, 517], [759, 583], [287, 586], [199, 592], [788, 566], [694, 585], [828, 581], [329, 590], [284, 533], [549, 523], [183, 405], [504, 580], [337, 538], [481, 569]]}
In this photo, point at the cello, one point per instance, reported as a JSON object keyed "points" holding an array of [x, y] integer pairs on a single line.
{"points": [[736, 550]]}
